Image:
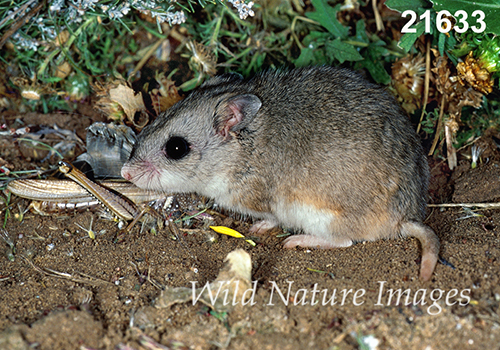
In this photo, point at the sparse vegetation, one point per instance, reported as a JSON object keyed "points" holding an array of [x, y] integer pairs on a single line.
{"points": [[56, 51]]}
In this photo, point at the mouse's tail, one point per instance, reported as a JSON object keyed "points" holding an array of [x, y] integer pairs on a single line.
{"points": [[430, 246]]}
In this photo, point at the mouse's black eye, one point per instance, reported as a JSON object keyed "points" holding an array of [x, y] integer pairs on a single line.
{"points": [[177, 147]]}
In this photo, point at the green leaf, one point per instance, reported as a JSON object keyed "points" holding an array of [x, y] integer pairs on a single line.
{"points": [[408, 39], [361, 32], [327, 17], [51, 80], [311, 57], [315, 39], [441, 42], [491, 9], [342, 51], [373, 62], [305, 58], [464, 48], [403, 5], [377, 71], [449, 44]]}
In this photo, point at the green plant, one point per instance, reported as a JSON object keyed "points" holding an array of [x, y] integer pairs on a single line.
{"points": [[59, 47], [64, 48], [429, 123], [337, 43], [465, 34]]}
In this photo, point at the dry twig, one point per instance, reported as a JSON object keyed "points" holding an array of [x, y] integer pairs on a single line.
{"points": [[87, 279]]}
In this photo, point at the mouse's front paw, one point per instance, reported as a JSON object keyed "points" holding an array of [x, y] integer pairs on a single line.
{"points": [[261, 227], [308, 241]]}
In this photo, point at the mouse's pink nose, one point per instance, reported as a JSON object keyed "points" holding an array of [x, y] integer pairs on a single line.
{"points": [[126, 174]]}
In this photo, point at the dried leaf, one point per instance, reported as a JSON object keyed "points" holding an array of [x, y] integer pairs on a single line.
{"points": [[63, 70], [62, 38], [128, 100], [202, 60], [110, 108], [118, 101], [472, 73], [458, 91], [166, 96], [408, 80]]}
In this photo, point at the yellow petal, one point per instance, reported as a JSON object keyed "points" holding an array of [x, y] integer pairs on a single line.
{"points": [[227, 231], [230, 232]]}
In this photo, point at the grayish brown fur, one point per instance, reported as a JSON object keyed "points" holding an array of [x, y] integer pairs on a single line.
{"points": [[317, 149]]}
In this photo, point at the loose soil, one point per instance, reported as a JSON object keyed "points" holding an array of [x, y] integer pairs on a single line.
{"points": [[104, 295]]}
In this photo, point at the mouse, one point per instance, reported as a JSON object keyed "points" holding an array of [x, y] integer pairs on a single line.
{"points": [[319, 150]]}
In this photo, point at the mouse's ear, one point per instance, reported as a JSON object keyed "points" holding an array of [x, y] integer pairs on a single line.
{"points": [[234, 113]]}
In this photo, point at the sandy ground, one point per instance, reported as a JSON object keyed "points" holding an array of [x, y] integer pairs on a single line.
{"points": [[104, 295]]}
